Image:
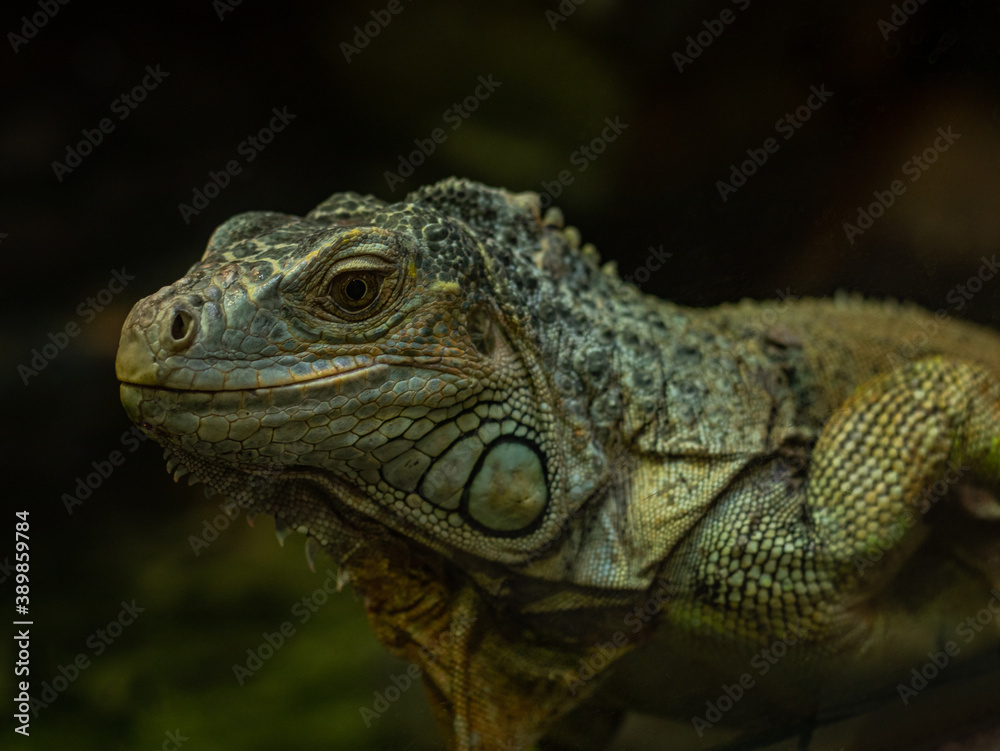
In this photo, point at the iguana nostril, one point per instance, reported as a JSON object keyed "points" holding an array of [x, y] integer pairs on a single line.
{"points": [[181, 331], [180, 325]]}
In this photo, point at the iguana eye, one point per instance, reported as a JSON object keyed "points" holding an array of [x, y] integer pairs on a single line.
{"points": [[354, 291]]}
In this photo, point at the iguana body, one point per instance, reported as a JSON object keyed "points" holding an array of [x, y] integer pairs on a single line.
{"points": [[509, 450]]}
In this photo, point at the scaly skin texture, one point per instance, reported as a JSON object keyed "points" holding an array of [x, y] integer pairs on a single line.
{"points": [[508, 450]]}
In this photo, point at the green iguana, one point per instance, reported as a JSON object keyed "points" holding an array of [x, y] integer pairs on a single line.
{"points": [[555, 492]]}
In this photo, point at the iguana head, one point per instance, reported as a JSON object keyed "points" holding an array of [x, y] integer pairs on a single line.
{"points": [[384, 358]]}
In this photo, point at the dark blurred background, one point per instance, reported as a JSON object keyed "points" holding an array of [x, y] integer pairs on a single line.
{"points": [[691, 109]]}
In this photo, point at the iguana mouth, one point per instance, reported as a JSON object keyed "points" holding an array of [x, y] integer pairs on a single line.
{"points": [[178, 412], [138, 365], [289, 385]]}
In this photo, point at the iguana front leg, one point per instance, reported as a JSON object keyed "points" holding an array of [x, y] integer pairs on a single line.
{"points": [[779, 557], [894, 439]]}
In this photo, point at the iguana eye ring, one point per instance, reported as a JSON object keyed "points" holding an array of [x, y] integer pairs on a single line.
{"points": [[356, 290]]}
